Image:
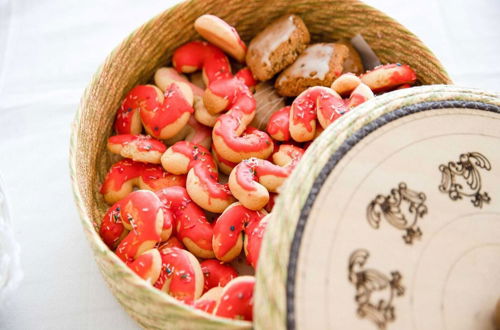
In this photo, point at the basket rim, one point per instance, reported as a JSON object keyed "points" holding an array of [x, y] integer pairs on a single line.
{"points": [[93, 238]]}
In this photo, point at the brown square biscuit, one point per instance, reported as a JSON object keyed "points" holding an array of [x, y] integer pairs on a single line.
{"points": [[353, 62], [277, 46], [319, 65]]}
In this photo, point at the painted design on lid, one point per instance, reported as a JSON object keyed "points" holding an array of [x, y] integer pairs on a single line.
{"points": [[402, 209], [375, 291], [463, 179]]}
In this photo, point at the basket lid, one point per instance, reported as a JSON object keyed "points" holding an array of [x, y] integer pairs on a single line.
{"points": [[391, 220]]}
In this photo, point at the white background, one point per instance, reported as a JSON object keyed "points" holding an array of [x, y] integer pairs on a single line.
{"points": [[48, 52]]}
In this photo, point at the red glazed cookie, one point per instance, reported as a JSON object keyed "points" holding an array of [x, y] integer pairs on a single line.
{"points": [[209, 300], [216, 273], [279, 125], [140, 148], [253, 240], [168, 112], [230, 135], [126, 174], [319, 65], [252, 179], [147, 266], [181, 275], [229, 228], [141, 213], [236, 301], [202, 180], [200, 55], [387, 77], [222, 35], [277, 46], [190, 222], [303, 112]]}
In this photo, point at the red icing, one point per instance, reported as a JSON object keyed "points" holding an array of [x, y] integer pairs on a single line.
{"points": [[206, 305], [162, 114], [139, 211], [172, 242], [141, 142], [228, 227], [246, 75], [119, 173], [152, 174], [245, 173], [157, 178], [195, 153], [203, 165], [392, 76], [229, 123], [354, 100], [202, 55], [237, 300], [142, 265], [140, 97], [112, 229], [189, 219], [332, 107], [236, 93], [254, 237], [270, 205], [208, 180], [280, 123], [404, 86], [216, 273], [178, 269], [252, 169], [303, 110]]}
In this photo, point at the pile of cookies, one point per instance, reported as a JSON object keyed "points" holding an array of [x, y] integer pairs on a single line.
{"points": [[193, 193]]}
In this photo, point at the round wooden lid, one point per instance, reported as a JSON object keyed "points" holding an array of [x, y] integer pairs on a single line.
{"points": [[392, 220]]}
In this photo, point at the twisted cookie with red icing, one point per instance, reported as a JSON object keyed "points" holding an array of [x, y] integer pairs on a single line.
{"points": [[190, 223], [163, 115], [228, 238], [134, 226], [229, 136], [236, 300], [181, 275], [140, 148], [252, 179], [202, 180], [216, 273], [387, 77], [126, 175]]}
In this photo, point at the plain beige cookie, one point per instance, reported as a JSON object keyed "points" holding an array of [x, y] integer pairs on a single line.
{"points": [[319, 65], [277, 46]]}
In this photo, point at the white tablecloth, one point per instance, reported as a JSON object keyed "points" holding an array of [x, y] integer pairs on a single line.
{"points": [[48, 51]]}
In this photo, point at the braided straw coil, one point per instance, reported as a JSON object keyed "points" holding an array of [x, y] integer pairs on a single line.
{"points": [[134, 62]]}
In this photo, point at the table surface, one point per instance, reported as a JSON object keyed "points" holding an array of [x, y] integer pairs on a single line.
{"points": [[48, 51]]}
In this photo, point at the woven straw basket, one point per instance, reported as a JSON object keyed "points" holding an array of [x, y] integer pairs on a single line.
{"points": [[134, 62]]}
